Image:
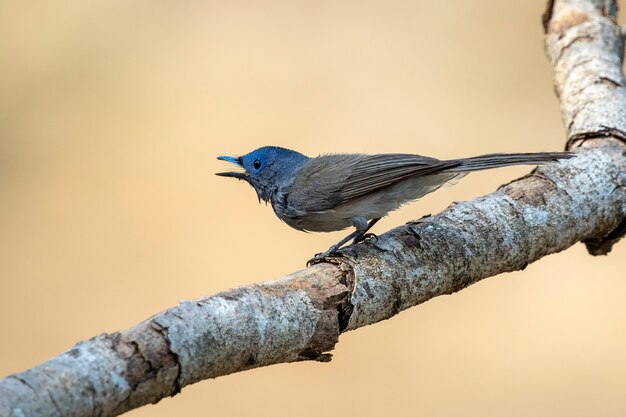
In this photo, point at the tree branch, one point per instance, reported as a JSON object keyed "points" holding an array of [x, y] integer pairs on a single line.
{"points": [[301, 316], [585, 46]]}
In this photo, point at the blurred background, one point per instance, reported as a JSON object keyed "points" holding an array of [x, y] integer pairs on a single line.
{"points": [[112, 113]]}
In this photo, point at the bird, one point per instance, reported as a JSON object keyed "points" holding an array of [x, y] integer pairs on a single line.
{"points": [[335, 191]]}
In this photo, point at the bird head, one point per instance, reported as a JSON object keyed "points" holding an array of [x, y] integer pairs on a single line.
{"points": [[266, 169]]}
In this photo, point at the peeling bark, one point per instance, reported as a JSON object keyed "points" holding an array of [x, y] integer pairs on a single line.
{"points": [[301, 316]]}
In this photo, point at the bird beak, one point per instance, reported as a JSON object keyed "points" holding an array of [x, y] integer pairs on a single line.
{"points": [[231, 159], [236, 161], [238, 175]]}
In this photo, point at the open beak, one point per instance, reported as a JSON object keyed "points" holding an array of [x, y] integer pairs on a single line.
{"points": [[236, 161]]}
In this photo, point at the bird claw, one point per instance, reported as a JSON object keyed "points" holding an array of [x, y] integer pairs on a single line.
{"points": [[321, 257], [365, 237], [318, 258], [333, 251], [314, 260]]}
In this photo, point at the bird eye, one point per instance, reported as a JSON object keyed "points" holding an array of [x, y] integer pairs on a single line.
{"points": [[256, 164]]}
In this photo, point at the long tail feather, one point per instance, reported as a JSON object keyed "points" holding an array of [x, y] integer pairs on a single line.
{"points": [[501, 160]]}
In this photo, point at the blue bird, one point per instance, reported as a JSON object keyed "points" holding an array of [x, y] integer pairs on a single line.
{"points": [[336, 191]]}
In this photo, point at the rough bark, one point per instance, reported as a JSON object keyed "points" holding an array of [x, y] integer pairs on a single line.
{"points": [[301, 316], [585, 46]]}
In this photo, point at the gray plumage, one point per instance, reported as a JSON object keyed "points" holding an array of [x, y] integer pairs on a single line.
{"points": [[333, 192]]}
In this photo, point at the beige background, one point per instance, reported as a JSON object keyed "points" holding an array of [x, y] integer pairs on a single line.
{"points": [[112, 113]]}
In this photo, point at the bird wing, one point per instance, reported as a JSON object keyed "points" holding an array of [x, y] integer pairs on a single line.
{"points": [[379, 171], [330, 180]]}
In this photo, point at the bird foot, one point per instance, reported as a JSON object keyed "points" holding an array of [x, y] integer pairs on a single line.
{"points": [[366, 237], [321, 257]]}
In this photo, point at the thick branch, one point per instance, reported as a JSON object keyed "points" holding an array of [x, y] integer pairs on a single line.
{"points": [[300, 317], [586, 48]]}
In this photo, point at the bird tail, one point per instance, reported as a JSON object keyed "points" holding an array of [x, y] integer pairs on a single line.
{"points": [[497, 160]]}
